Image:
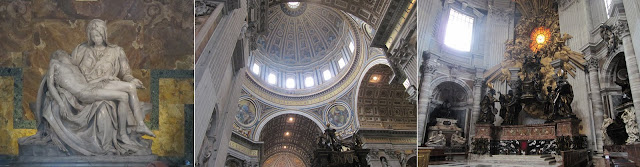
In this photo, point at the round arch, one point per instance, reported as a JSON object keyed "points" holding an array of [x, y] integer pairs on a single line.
{"points": [[434, 84], [609, 65], [265, 120], [374, 62]]}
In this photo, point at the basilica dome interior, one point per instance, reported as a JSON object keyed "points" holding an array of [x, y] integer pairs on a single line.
{"points": [[306, 79]]}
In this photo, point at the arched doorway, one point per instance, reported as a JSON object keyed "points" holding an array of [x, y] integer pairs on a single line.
{"points": [[289, 139]]}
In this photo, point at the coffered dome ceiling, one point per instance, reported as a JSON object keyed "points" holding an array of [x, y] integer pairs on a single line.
{"points": [[296, 38], [291, 134], [306, 49], [283, 160]]}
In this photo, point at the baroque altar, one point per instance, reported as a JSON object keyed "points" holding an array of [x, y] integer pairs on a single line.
{"points": [[335, 152], [536, 66]]}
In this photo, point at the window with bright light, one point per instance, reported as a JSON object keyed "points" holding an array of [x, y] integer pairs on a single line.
{"points": [[351, 47], [290, 83], [293, 5], [255, 69], [271, 78], [459, 31], [326, 75], [341, 63], [406, 83], [607, 7], [308, 82]]}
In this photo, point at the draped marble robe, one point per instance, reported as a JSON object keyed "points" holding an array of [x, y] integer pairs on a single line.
{"points": [[87, 129]]}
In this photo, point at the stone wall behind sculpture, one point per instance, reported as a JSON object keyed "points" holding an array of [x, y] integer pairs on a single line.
{"points": [[157, 37]]}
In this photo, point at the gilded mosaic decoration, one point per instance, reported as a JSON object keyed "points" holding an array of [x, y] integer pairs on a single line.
{"points": [[338, 115], [247, 113]]}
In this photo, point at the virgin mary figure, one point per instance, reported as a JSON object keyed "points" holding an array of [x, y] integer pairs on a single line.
{"points": [[99, 127]]}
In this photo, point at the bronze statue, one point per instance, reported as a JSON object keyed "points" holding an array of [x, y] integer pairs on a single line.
{"points": [[488, 108], [328, 140], [548, 104], [562, 100], [626, 90], [511, 105]]}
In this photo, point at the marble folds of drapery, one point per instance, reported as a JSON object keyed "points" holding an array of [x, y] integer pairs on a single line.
{"points": [[87, 129]]}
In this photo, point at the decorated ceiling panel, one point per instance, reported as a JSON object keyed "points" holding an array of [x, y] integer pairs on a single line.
{"points": [[254, 114], [283, 160], [291, 134], [301, 36], [371, 11], [382, 105], [307, 49]]}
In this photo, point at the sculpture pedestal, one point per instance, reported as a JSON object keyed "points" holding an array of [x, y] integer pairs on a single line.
{"points": [[567, 127], [483, 131], [423, 156], [111, 161], [633, 152], [328, 158], [50, 155], [529, 139]]}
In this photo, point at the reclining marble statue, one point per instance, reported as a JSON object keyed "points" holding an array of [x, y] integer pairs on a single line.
{"points": [[87, 103]]}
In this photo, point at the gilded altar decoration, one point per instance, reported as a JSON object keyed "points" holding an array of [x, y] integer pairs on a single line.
{"points": [[535, 61], [539, 38], [537, 32], [536, 65]]}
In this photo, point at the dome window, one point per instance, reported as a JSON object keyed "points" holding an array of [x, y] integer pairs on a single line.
{"points": [[271, 79], [255, 69], [290, 83], [341, 63], [351, 47], [308, 82], [293, 5], [326, 75]]}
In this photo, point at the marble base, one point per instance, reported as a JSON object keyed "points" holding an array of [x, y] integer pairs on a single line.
{"points": [[529, 160], [633, 153], [423, 156], [106, 161], [49, 155]]}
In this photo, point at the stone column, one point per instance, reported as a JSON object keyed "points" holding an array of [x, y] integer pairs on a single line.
{"points": [[430, 66], [596, 101], [475, 111], [212, 78], [622, 30]]}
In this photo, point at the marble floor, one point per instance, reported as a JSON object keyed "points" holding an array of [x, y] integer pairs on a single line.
{"points": [[481, 164]]}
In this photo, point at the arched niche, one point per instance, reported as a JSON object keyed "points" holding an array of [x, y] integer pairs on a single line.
{"points": [[614, 69], [459, 96]]}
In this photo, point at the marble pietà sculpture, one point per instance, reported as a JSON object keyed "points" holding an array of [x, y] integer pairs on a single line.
{"points": [[87, 103]]}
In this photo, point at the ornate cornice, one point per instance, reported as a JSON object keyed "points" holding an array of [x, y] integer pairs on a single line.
{"points": [[501, 14], [430, 69], [593, 63], [564, 4], [621, 28], [478, 82]]}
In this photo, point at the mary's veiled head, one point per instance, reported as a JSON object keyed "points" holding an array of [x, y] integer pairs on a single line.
{"points": [[97, 32]]}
